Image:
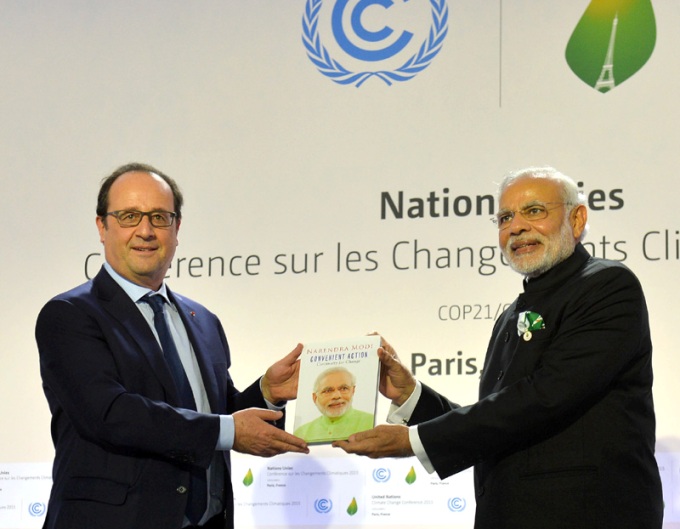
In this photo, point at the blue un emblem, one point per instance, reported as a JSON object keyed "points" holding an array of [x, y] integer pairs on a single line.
{"points": [[351, 41], [323, 505], [37, 509], [381, 475]]}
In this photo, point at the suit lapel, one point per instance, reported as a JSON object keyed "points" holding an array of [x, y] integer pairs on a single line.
{"points": [[195, 326], [119, 305]]}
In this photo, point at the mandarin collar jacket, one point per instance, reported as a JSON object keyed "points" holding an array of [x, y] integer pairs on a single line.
{"points": [[563, 432]]}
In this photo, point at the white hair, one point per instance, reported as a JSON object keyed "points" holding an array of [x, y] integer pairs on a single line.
{"points": [[571, 194], [330, 370]]}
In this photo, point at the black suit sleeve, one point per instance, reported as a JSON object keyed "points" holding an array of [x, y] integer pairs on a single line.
{"points": [[595, 364], [110, 397]]}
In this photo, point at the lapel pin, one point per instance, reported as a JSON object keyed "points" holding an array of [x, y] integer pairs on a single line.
{"points": [[529, 321]]}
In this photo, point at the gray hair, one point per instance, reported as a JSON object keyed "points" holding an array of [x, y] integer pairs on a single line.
{"points": [[330, 370], [571, 194]]}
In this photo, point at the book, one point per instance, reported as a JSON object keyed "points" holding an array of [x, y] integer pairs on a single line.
{"points": [[337, 389]]}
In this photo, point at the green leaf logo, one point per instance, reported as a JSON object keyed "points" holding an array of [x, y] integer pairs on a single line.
{"points": [[411, 476], [352, 509], [612, 42], [248, 480]]}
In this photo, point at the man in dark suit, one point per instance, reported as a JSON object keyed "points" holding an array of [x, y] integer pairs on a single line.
{"points": [[563, 434], [144, 412]]}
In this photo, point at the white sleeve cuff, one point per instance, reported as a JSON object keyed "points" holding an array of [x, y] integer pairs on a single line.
{"points": [[418, 449], [225, 440], [401, 415]]}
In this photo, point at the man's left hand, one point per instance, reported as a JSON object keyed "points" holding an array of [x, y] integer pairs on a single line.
{"points": [[385, 440], [280, 382]]}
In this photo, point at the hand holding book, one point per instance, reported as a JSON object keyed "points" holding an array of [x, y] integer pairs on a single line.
{"points": [[338, 389], [396, 381]]}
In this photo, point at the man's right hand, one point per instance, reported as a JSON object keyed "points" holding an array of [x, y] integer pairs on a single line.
{"points": [[254, 435], [396, 381]]}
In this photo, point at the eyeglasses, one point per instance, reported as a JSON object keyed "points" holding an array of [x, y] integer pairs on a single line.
{"points": [[129, 218], [344, 389], [533, 212]]}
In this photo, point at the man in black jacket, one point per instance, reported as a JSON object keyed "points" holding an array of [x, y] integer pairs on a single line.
{"points": [[563, 433], [144, 410]]}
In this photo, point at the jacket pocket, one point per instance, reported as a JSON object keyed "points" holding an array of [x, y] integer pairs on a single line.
{"points": [[96, 489]]}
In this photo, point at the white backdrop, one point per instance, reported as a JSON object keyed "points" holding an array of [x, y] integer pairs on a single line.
{"points": [[276, 160]]}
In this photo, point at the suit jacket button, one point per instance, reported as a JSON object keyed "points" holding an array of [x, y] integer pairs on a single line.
{"points": [[480, 491], [182, 489]]}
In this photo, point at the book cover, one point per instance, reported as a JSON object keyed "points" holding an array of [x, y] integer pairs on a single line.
{"points": [[338, 389]]}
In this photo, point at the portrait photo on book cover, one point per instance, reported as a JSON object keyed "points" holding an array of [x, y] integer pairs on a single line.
{"points": [[338, 389]]}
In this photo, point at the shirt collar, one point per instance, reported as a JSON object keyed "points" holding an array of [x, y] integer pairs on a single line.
{"points": [[133, 290]]}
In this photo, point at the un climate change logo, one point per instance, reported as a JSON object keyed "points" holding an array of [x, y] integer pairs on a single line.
{"points": [[361, 32], [323, 505], [37, 509], [457, 504], [381, 475]]}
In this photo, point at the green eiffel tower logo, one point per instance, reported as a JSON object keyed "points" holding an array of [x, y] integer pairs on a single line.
{"points": [[612, 42]]}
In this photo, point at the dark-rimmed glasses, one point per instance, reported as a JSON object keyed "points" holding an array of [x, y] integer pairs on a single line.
{"points": [[129, 218]]}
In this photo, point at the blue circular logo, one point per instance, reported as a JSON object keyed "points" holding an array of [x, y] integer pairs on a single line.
{"points": [[323, 505], [381, 475], [457, 504], [373, 50], [37, 509]]}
